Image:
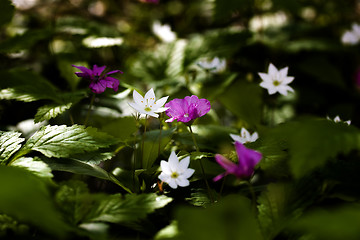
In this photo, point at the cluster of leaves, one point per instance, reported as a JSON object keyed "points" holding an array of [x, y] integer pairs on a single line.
{"points": [[91, 172]]}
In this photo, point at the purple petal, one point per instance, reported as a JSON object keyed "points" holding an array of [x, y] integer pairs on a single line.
{"points": [[176, 108], [203, 107], [98, 70], [111, 82], [98, 87], [218, 177], [86, 73], [248, 159], [115, 71], [225, 163]]}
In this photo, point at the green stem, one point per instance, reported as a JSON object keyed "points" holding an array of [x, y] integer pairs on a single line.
{"points": [[201, 165], [160, 119], [143, 141], [222, 187], [88, 113], [253, 197]]}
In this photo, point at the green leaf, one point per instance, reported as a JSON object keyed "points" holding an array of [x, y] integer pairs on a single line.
{"points": [[6, 12], [243, 99], [26, 197], [270, 206], [312, 142], [9, 144], [339, 223], [50, 111], [24, 41], [115, 209], [78, 167], [34, 165], [229, 218], [27, 86], [63, 141], [121, 128]]}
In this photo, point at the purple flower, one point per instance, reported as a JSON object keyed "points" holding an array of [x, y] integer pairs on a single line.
{"points": [[187, 109], [99, 80], [248, 159]]}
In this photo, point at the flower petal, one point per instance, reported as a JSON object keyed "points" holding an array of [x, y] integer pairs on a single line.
{"points": [[184, 164], [98, 70], [265, 77], [172, 183], [173, 162], [188, 173], [228, 165], [272, 70], [159, 103], [248, 158], [138, 99], [150, 94], [218, 177], [98, 87], [182, 182], [165, 168]]}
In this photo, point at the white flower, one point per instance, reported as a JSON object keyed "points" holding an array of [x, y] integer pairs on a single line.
{"points": [[337, 120], [214, 66], [163, 32], [176, 173], [147, 105], [276, 81], [245, 136], [351, 37]]}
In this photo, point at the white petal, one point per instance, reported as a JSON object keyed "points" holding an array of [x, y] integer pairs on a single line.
{"points": [[172, 183], [184, 164], [245, 134], [272, 90], [138, 98], [152, 114], [159, 103], [272, 70], [236, 138], [182, 182], [137, 108], [173, 162], [164, 177], [188, 173], [287, 80], [165, 168], [283, 72], [265, 77], [159, 110], [150, 94], [254, 137]]}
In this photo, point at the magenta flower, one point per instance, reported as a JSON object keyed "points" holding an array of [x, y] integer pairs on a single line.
{"points": [[248, 159], [99, 80], [187, 109]]}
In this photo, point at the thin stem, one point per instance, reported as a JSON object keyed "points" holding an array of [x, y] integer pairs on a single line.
{"points": [[90, 106], [143, 141], [222, 187], [201, 165], [160, 119], [71, 118]]}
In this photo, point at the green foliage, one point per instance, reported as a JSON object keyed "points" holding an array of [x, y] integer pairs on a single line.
{"points": [[115, 209], [121, 128], [9, 144], [34, 165], [312, 142], [27, 86], [6, 12], [333, 224], [50, 111], [230, 218], [31, 198], [63, 141]]}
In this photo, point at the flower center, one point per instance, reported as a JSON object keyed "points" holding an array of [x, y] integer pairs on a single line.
{"points": [[174, 175], [276, 83], [147, 109], [186, 115]]}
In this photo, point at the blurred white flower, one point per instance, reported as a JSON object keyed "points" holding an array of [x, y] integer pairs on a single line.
{"points": [[276, 80], [175, 172], [98, 42], [215, 65], [337, 120], [352, 36], [147, 105], [260, 22], [163, 32], [245, 136]]}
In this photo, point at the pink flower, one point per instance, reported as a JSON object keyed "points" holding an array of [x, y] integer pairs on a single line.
{"points": [[187, 109], [248, 159], [99, 81]]}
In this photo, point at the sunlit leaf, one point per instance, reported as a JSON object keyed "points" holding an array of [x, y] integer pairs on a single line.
{"points": [[50, 111], [9, 144], [63, 141], [34, 165]]}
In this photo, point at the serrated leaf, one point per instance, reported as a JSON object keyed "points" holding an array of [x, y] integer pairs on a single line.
{"points": [[78, 167], [115, 209], [27, 86], [9, 144], [34, 165], [27, 198], [50, 111], [63, 141]]}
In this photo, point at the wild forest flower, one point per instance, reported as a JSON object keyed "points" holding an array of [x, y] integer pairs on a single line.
{"points": [[187, 109], [248, 159], [337, 120], [216, 65], [147, 104], [163, 32], [175, 172], [245, 136], [276, 80], [99, 80], [352, 36]]}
